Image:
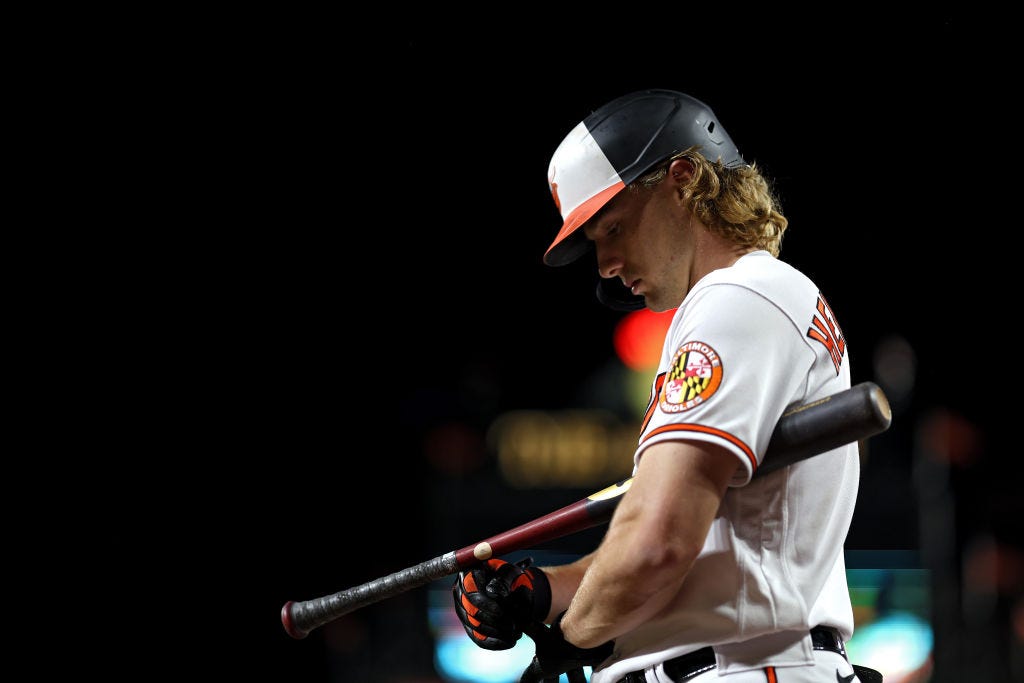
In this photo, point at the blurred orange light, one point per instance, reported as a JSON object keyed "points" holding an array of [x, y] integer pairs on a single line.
{"points": [[638, 338]]}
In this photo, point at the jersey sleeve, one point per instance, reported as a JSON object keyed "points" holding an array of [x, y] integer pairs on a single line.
{"points": [[732, 362]]}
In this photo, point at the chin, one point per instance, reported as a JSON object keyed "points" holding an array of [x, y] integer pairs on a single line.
{"points": [[660, 305], [655, 306]]}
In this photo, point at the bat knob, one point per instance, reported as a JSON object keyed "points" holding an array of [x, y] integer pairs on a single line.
{"points": [[289, 624]]}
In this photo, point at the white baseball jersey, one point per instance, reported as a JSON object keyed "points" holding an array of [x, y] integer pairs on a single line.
{"points": [[749, 342]]}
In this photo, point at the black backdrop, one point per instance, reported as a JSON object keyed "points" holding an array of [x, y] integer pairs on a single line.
{"points": [[364, 266]]}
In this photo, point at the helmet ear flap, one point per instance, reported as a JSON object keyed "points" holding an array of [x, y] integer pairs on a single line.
{"points": [[613, 294]]}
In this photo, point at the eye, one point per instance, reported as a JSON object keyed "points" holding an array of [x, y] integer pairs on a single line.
{"points": [[602, 230]]}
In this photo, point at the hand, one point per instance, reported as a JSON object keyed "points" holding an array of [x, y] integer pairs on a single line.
{"points": [[555, 655], [497, 600]]}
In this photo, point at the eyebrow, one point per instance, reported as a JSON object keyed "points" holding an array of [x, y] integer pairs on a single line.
{"points": [[591, 225]]}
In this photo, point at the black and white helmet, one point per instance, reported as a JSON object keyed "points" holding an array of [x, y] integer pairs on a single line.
{"points": [[614, 146]]}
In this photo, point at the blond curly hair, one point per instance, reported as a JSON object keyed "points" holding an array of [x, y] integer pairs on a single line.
{"points": [[736, 203]]}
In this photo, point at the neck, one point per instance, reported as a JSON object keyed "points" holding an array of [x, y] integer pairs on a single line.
{"points": [[712, 252]]}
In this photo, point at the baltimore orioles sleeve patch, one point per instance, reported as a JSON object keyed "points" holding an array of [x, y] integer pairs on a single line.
{"points": [[693, 377]]}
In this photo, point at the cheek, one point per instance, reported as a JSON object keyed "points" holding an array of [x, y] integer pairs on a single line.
{"points": [[664, 236]]}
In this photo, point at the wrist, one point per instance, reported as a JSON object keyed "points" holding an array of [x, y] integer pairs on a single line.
{"points": [[541, 593], [559, 625]]}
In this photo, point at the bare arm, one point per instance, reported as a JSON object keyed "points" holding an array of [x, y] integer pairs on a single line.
{"points": [[653, 538], [565, 581]]}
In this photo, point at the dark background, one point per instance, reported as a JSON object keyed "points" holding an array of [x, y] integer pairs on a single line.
{"points": [[359, 270]]}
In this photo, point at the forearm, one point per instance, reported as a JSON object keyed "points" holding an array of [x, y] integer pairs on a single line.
{"points": [[565, 581], [629, 581]]}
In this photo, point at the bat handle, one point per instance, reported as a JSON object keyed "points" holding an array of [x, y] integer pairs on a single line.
{"points": [[299, 618]]}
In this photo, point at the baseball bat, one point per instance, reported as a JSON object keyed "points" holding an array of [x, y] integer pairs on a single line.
{"points": [[850, 415]]}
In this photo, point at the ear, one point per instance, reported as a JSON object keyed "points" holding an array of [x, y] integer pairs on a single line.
{"points": [[680, 170]]}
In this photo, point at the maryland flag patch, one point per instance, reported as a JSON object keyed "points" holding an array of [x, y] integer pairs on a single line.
{"points": [[693, 377]]}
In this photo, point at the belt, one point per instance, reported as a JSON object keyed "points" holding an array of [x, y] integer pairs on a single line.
{"points": [[685, 667]]}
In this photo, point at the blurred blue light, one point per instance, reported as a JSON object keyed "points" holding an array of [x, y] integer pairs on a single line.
{"points": [[458, 660], [895, 644]]}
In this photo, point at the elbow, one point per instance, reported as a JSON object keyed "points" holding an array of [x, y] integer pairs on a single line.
{"points": [[667, 559]]}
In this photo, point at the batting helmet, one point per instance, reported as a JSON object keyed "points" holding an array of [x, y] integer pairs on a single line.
{"points": [[614, 146]]}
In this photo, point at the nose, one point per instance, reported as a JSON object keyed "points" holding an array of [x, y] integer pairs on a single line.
{"points": [[608, 263]]}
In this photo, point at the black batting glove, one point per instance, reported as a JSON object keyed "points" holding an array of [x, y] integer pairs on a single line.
{"points": [[497, 600], [555, 656]]}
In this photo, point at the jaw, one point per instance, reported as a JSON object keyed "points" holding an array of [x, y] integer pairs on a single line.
{"points": [[659, 304]]}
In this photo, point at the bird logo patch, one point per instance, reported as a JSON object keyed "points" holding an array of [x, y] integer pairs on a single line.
{"points": [[693, 377]]}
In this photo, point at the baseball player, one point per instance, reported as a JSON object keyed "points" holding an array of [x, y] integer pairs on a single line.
{"points": [[703, 573]]}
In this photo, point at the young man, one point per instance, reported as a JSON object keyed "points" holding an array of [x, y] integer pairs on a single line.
{"points": [[703, 571]]}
